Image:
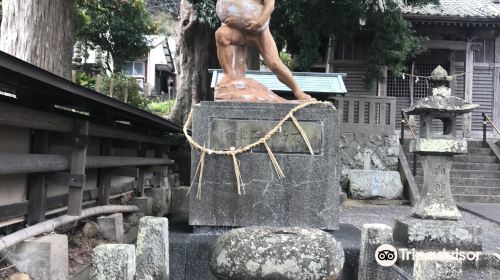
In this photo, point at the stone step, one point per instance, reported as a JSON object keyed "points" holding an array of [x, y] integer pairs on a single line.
{"points": [[475, 144], [466, 181], [468, 166], [477, 198], [480, 152], [462, 158], [459, 173], [473, 190]]}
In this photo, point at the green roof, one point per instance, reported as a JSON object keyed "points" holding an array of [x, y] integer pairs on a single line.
{"points": [[313, 83]]}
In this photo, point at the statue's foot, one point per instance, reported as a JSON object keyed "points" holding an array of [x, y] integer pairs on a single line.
{"points": [[226, 79], [300, 95]]}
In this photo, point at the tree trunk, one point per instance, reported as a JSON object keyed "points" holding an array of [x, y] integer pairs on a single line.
{"points": [[196, 53], [39, 32]]}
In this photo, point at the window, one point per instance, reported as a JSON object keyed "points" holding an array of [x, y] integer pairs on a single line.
{"points": [[486, 52], [356, 49], [134, 68]]}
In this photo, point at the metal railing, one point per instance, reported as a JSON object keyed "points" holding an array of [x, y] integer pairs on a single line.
{"points": [[487, 120]]}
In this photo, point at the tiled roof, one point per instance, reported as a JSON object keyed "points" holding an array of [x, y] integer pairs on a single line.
{"points": [[458, 8]]}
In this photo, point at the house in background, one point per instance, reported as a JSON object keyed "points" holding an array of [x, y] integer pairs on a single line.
{"points": [[155, 73], [463, 37]]}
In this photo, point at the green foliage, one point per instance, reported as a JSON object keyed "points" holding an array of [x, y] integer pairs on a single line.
{"points": [[118, 26], [167, 24], [161, 108], [85, 80], [305, 28], [135, 95], [287, 59]]}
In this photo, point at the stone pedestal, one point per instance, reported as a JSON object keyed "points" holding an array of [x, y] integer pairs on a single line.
{"points": [[437, 235], [436, 200], [113, 261], [152, 249], [308, 196]]}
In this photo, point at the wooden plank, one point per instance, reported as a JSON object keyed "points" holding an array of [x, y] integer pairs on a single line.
{"points": [[13, 163], [445, 45], [77, 166], [18, 116], [496, 95], [37, 190], [372, 113]]}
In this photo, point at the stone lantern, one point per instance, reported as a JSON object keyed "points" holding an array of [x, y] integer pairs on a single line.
{"points": [[438, 147]]}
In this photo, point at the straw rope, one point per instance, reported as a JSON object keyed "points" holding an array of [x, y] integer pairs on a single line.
{"points": [[233, 151]]}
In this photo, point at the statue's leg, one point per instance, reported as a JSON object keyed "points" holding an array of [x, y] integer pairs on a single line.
{"points": [[227, 38], [269, 51]]}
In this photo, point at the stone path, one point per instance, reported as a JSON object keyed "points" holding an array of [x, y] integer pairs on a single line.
{"points": [[358, 214], [490, 211]]}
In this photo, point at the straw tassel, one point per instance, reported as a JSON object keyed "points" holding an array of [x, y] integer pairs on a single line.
{"points": [[303, 133], [276, 165], [238, 174], [199, 168]]}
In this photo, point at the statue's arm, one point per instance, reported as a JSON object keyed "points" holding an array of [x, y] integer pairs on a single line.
{"points": [[267, 11]]}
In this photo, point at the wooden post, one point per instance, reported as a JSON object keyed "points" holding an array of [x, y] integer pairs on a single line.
{"points": [[496, 95], [98, 81], [37, 191], [453, 71], [111, 86], [77, 166], [382, 83], [125, 94], [469, 78], [73, 76]]}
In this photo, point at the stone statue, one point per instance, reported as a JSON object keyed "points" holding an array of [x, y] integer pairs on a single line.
{"points": [[246, 22]]}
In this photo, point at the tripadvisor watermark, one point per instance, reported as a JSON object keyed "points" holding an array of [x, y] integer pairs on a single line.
{"points": [[387, 255]]}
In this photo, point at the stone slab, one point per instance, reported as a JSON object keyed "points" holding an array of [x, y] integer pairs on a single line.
{"points": [[438, 146], [111, 227], [437, 234], [42, 258], [373, 236], [152, 249], [437, 268], [371, 184], [144, 203], [307, 197], [162, 198], [189, 253]]}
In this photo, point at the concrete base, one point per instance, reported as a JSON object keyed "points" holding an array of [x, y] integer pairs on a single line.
{"points": [[438, 235], [111, 227], [145, 204], [189, 253], [42, 258]]}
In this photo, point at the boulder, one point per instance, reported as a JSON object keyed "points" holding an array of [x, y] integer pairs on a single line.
{"points": [[373, 184], [260, 253]]}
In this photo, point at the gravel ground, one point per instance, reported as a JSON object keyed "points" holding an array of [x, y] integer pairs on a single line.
{"points": [[358, 214]]}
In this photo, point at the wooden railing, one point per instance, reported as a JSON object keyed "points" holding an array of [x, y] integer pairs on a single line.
{"points": [[367, 114], [487, 120]]}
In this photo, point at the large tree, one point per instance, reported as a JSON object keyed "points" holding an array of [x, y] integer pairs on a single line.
{"points": [[39, 32], [118, 27], [306, 27], [196, 53]]}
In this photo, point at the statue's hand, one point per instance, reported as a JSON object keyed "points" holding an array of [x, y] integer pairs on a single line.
{"points": [[253, 26], [231, 21]]}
